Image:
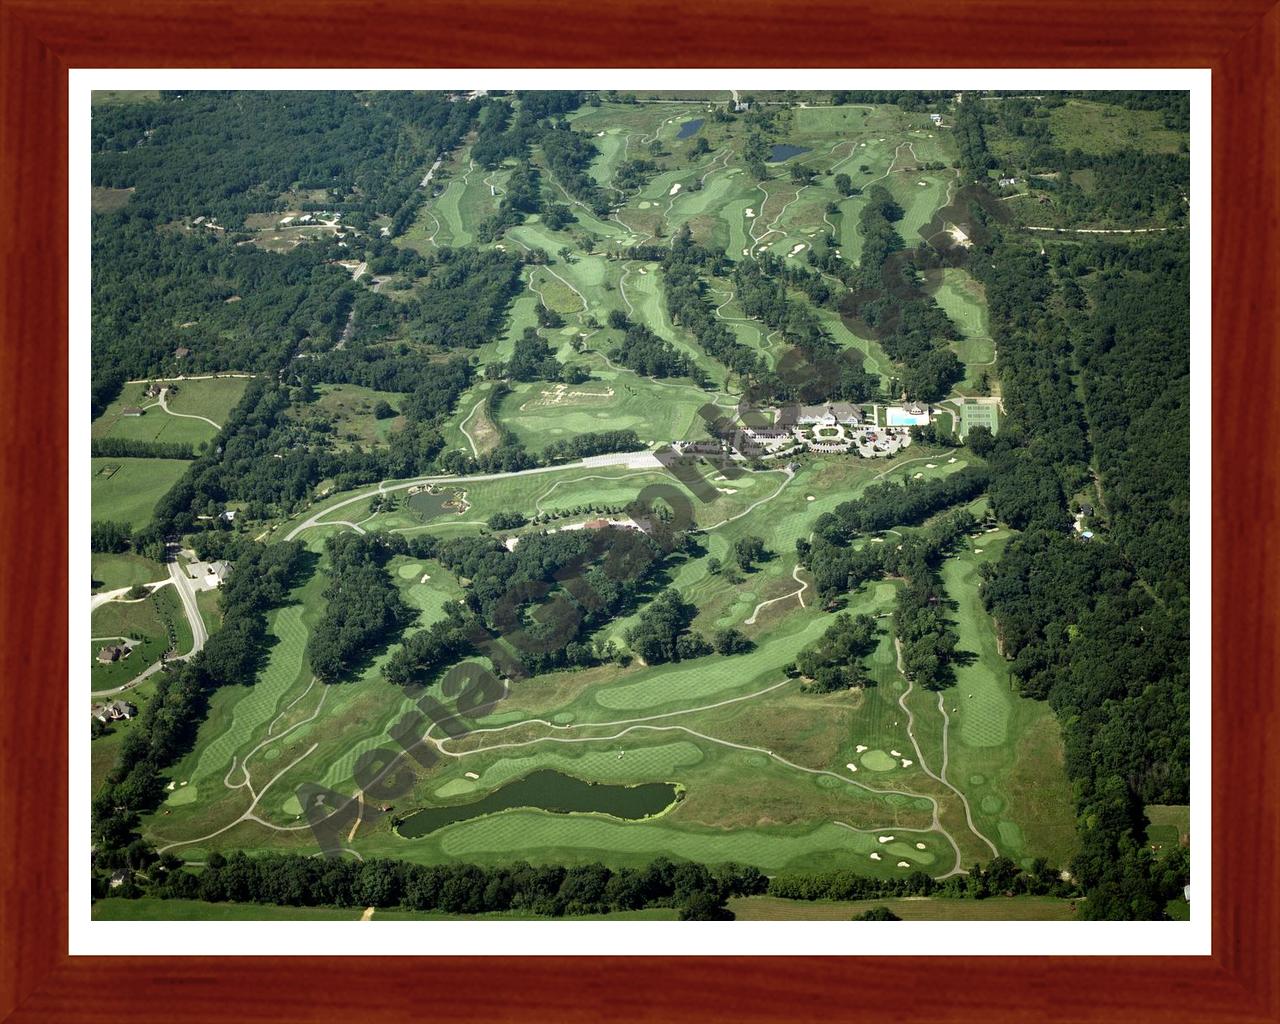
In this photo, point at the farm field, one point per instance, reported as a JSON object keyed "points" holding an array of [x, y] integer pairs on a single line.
{"points": [[126, 490]]}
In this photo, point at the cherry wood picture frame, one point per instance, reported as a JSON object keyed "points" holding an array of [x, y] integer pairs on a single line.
{"points": [[41, 39]]}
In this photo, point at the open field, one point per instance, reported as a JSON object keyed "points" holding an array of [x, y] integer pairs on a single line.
{"points": [[126, 490], [349, 409], [1017, 908], [111, 572], [963, 300], [148, 908], [213, 398], [1102, 128]]}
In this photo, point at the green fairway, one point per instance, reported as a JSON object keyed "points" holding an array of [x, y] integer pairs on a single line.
{"points": [[963, 300], [126, 490]]}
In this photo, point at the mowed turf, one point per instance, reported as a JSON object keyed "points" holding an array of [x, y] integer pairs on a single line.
{"points": [[129, 494], [213, 398], [962, 299]]}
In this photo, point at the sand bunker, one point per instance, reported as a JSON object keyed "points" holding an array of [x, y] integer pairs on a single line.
{"points": [[861, 747], [919, 846], [895, 753], [951, 460], [907, 762], [852, 767], [918, 476], [751, 211], [930, 465], [798, 248], [875, 856], [674, 189], [903, 864], [425, 577], [472, 775], [885, 839]]}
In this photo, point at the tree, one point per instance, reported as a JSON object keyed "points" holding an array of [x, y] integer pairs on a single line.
{"points": [[383, 410], [844, 184], [981, 440], [704, 906], [747, 551], [877, 914], [109, 537], [731, 641]]}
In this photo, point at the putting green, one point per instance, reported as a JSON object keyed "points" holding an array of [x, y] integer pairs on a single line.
{"points": [[182, 795], [878, 761], [411, 571]]}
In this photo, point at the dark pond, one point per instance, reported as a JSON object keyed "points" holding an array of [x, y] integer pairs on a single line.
{"points": [[428, 505], [785, 151], [548, 791], [689, 128]]}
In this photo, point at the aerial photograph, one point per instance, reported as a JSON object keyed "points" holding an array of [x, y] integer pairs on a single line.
{"points": [[639, 505]]}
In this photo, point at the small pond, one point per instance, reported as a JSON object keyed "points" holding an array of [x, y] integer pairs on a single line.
{"points": [[785, 151], [549, 791], [689, 128], [430, 506]]}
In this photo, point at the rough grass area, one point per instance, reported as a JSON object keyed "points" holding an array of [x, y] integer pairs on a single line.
{"points": [[128, 492], [1017, 908], [111, 572], [1102, 128]]}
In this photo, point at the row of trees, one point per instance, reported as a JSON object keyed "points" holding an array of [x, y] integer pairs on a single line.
{"points": [[293, 880]]}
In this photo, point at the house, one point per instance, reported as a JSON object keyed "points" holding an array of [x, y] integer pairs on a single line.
{"points": [[111, 653], [155, 387], [219, 571], [181, 353], [1008, 181], [1086, 509], [114, 711], [915, 409], [936, 118], [132, 410], [119, 877], [228, 515], [1087, 534]]}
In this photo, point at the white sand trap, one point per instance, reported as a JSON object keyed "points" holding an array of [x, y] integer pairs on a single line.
{"points": [[877, 540], [977, 551], [885, 839], [425, 577], [674, 189], [951, 460], [861, 747], [903, 864], [810, 497], [863, 145], [183, 783], [600, 135], [923, 184], [875, 856], [472, 775], [643, 271], [918, 476], [894, 753], [798, 248], [994, 529], [852, 767], [907, 762], [882, 140], [171, 786], [930, 465], [746, 252], [751, 211], [919, 846]]}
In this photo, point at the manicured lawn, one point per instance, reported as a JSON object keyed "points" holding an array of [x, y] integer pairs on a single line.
{"points": [[151, 620]]}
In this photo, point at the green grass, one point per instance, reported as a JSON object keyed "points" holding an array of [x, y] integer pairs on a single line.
{"points": [[1017, 908], [148, 620], [348, 408], [1170, 827], [129, 495], [111, 572], [213, 398], [963, 300], [154, 424], [148, 908]]}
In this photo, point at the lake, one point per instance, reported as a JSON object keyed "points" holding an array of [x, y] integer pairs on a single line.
{"points": [[689, 128], [549, 791], [785, 151]]}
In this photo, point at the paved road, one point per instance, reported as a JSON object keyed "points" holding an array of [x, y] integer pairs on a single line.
{"points": [[636, 460], [186, 587]]}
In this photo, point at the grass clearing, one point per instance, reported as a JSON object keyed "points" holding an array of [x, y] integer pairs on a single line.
{"points": [[126, 490], [921, 908]]}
